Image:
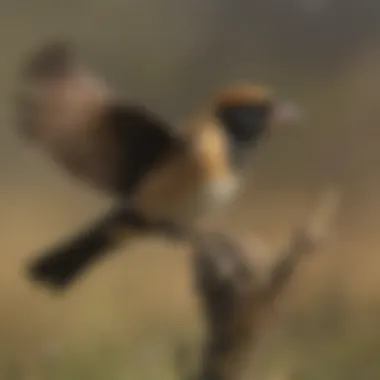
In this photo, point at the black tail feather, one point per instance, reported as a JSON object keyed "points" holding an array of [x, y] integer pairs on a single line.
{"points": [[62, 265]]}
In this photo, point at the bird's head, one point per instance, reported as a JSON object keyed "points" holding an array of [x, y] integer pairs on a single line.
{"points": [[248, 113]]}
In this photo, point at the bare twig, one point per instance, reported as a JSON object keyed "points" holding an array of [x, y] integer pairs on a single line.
{"points": [[311, 236], [233, 295]]}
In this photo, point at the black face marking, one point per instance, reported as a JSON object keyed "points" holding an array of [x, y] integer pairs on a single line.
{"points": [[245, 124]]}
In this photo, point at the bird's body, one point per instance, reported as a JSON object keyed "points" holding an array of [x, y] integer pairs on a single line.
{"points": [[184, 183], [155, 173]]}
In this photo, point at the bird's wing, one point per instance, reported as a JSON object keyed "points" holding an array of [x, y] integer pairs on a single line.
{"points": [[191, 179], [140, 140], [86, 125]]}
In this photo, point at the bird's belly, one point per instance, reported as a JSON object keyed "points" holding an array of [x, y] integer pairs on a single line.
{"points": [[187, 198]]}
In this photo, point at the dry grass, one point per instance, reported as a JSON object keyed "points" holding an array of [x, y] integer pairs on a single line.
{"points": [[135, 308]]}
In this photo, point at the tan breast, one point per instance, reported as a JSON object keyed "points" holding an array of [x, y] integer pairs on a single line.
{"points": [[192, 182]]}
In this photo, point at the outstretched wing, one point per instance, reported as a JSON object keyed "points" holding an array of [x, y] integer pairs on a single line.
{"points": [[84, 124]]}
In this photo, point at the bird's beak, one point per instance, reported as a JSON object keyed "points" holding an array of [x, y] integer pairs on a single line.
{"points": [[286, 115]]}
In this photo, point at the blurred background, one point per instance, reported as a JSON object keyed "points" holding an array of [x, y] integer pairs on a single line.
{"points": [[124, 320]]}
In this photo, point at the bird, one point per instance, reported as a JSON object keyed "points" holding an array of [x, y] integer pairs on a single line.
{"points": [[159, 177]]}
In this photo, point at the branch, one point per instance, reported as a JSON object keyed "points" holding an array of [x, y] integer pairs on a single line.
{"points": [[232, 293]]}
